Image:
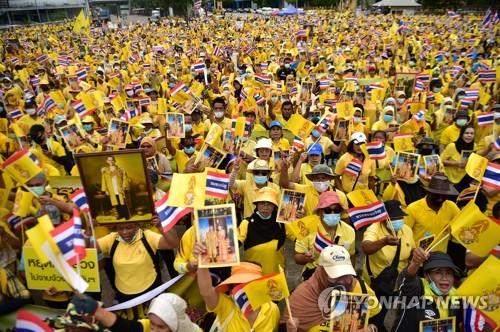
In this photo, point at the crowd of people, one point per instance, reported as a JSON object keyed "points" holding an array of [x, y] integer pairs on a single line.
{"points": [[313, 91]]}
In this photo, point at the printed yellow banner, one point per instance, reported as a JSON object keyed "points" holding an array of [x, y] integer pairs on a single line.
{"points": [[45, 276]]}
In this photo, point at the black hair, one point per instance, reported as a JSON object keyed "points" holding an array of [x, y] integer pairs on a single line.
{"points": [[460, 144], [495, 212], [219, 100], [285, 103], [379, 132], [36, 129]]}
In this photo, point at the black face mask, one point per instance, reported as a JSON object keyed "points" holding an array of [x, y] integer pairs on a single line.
{"points": [[436, 200], [38, 139], [426, 152]]}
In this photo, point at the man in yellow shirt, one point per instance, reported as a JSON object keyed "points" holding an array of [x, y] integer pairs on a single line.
{"points": [[431, 214], [187, 153], [31, 117], [51, 151], [450, 134]]}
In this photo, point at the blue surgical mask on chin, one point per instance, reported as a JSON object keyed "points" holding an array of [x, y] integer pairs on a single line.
{"points": [[87, 127], [262, 217], [315, 133], [38, 190], [260, 179], [189, 150], [397, 224], [331, 219], [435, 289]]}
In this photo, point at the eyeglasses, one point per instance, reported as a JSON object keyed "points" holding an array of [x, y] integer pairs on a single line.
{"points": [[260, 172], [329, 210]]}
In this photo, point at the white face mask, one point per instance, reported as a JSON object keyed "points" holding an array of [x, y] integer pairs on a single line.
{"points": [[31, 111], [219, 115], [401, 100], [274, 100], [130, 93], [321, 186]]}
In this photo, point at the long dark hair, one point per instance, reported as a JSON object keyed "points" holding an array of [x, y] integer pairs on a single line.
{"points": [[460, 144]]}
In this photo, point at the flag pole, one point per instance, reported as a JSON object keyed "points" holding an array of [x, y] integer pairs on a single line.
{"points": [[437, 243], [437, 238]]}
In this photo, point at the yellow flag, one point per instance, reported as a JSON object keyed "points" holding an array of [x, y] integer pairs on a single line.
{"points": [[476, 165], [40, 234], [81, 22], [239, 130], [87, 100], [22, 166], [362, 197], [23, 203], [474, 230], [162, 106], [403, 142], [58, 97], [214, 135], [197, 88], [117, 103], [189, 190], [269, 288], [484, 283], [302, 228], [345, 109], [300, 126]]}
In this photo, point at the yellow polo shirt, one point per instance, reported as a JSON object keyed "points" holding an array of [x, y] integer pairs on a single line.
{"points": [[384, 256], [267, 319], [367, 170], [424, 221], [454, 174], [249, 190], [135, 271], [449, 135], [345, 233], [312, 196]]}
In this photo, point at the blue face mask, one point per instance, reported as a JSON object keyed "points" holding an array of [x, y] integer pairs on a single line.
{"points": [[189, 150], [435, 289], [38, 190], [188, 127], [331, 219], [171, 85], [388, 118], [260, 179], [397, 224], [262, 217], [87, 127], [315, 133]]}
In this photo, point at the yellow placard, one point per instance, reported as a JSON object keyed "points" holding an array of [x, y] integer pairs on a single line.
{"points": [[45, 276]]}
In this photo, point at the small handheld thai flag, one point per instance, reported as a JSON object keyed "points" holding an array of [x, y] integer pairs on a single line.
{"points": [[294, 91], [491, 177], [217, 184], [366, 215], [144, 102], [198, 67], [259, 100], [14, 221], [374, 86], [279, 86], [15, 114], [452, 14], [302, 33], [325, 123], [354, 167], [65, 236], [132, 59], [324, 84], [42, 58], [28, 322], [79, 107], [488, 18], [485, 118], [467, 194], [146, 66], [465, 103], [376, 150], [35, 81], [430, 97], [487, 76], [217, 51], [49, 104], [263, 79], [80, 199], [169, 215], [321, 242], [15, 60], [243, 95], [419, 86], [298, 144], [496, 145], [241, 299], [179, 87], [63, 60], [473, 320], [81, 74], [472, 94]]}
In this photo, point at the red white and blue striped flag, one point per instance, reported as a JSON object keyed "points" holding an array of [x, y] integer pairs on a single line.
{"points": [[28, 322], [324, 84], [80, 199], [80, 108], [365, 215], [241, 299], [49, 104], [321, 242], [487, 76], [259, 99], [15, 114], [14, 221], [491, 177], [496, 145], [354, 167], [169, 215], [376, 150], [179, 87], [419, 86], [199, 67], [81, 74], [472, 94], [217, 184], [69, 238], [485, 118], [473, 320], [263, 79]]}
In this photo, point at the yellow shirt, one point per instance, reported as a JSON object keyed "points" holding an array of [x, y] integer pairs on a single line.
{"points": [[56, 148], [424, 221], [249, 189], [324, 141], [181, 159], [449, 135], [382, 125], [454, 174], [26, 121], [185, 252], [367, 170], [344, 232], [267, 320], [382, 168], [281, 145], [135, 271], [225, 124], [312, 196], [384, 256]]}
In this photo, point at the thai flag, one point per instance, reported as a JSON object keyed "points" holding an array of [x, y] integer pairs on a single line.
{"points": [[15, 114], [63, 60], [279, 86], [42, 58], [15, 60], [430, 97], [473, 320], [352, 79], [488, 18], [179, 87], [146, 66], [366, 215], [243, 95], [79, 107], [465, 103], [217, 184], [137, 88], [419, 86], [424, 78], [241, 299], [249, 50], [14, 221], [467, 194], [496, 145], [49, 104], [157, 48], [321, 242], [264, 66], [324, 84], [259, 99], [485, 118], [263, 79], [374, 86], [79, 241], [217, 51], [35, 81], [302, 33], [129, 114], [325, 123], [294, 91], [298, 144], [199, 67], [28, 322], [64, 236], [81, 74], [144, 102], [248, 127], [332, 103], [169, 215], [452, 14], [487, 76], [472, 94], [80, 199], [132, 59], [376, 150], [354, 167], [491, 177]]}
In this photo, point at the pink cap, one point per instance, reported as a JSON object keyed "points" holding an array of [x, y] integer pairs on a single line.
{"points": [[328, 198]]}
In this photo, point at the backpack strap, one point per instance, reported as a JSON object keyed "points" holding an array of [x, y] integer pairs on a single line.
{"points": [[113, 249], [394, 263], [152, 254], [363, 286]]}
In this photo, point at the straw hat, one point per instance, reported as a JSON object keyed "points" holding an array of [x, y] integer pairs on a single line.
{"points": [[267, 194]]}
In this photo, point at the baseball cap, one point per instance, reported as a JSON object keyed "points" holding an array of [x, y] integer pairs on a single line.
{"points": [[275, 123], [315, 149], [358, 138], [336, 261], [327, 199]]}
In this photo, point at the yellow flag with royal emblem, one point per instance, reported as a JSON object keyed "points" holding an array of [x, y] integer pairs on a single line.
{"points": [[302, 228], [272, 287], [474, 230], [403, 142], [476, 165], [81, 22], [362, 197], [300, 126], [189, 190], [22, 166]]}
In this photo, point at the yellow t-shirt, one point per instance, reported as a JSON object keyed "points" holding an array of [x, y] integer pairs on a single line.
{"points": [[367, 170], [312, 196], [424, 221], [26, 121], [135, 271], [249, 190], [384, 256], [454, 174], [267, 319], [449, 135], [181, 159], [346, 238], [324, 141], [282, 145]]}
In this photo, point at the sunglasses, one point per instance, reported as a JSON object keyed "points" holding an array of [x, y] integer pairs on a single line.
{"points": [[330, 210], [260, 172]]}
